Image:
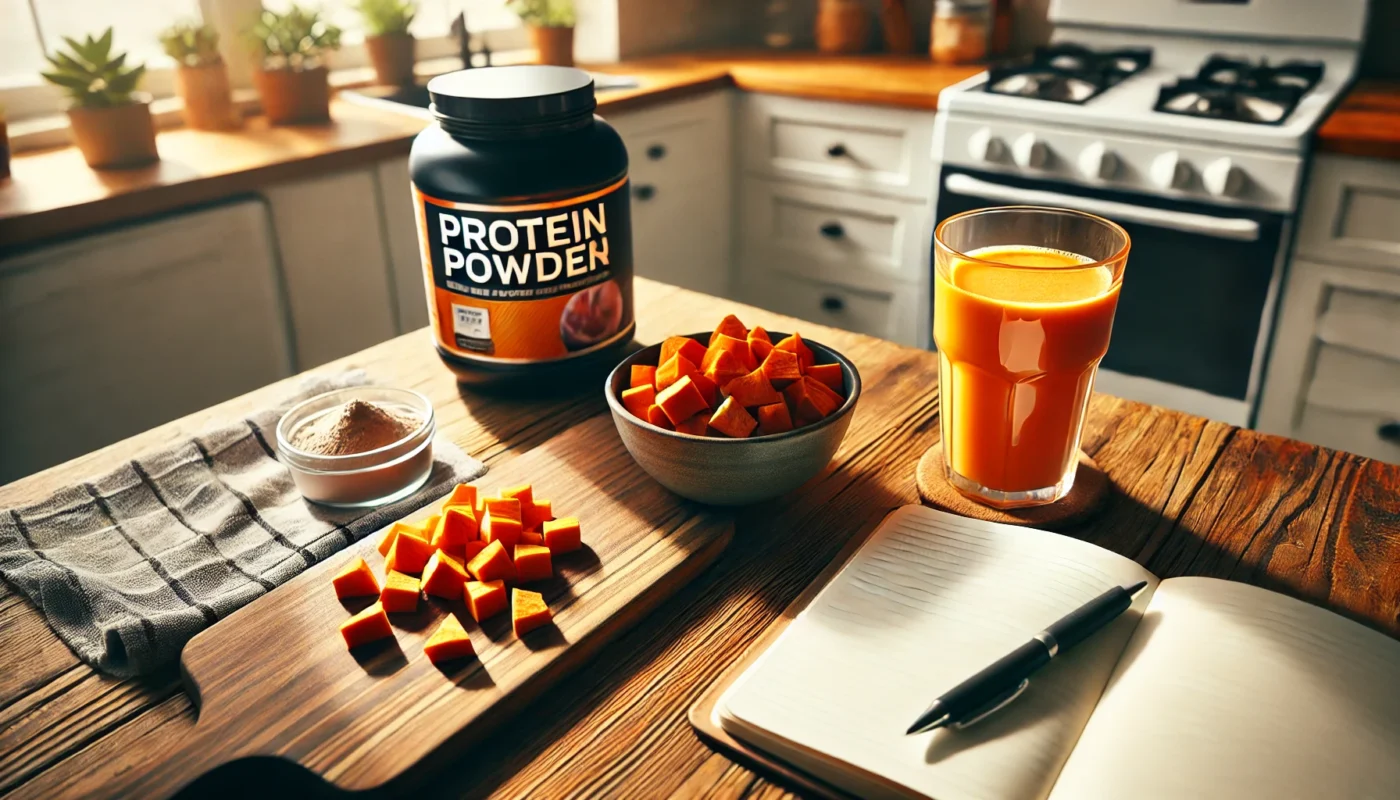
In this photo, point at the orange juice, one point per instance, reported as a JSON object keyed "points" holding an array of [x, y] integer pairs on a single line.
{"points": [[1020, 331]]}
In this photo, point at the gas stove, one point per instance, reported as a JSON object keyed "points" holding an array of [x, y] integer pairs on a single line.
{"points": [[1066, 72]]}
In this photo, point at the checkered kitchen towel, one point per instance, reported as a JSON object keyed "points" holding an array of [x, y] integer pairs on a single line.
{"points": [[128, 567]]}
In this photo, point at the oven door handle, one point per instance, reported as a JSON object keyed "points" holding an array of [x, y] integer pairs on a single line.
{"points": [[1245, 230]]}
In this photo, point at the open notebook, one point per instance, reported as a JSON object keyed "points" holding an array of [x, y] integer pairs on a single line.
{"points": [[1203, 689]]}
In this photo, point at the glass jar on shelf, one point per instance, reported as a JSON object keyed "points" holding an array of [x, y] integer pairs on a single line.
{"points": [[960, 31]]}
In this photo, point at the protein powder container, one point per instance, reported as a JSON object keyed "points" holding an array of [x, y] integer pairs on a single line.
{"points": [[523, 217]]}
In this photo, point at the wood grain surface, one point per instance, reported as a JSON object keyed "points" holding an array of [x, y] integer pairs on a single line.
{"points": [[1366, 123], [1188, 496]]}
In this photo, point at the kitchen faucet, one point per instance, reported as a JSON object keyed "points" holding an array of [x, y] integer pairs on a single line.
{"points": [[464, 42]]}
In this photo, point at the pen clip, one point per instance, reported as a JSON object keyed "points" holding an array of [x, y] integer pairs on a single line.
{"points": [[992, 706]]}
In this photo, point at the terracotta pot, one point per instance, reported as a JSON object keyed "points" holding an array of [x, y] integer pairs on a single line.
{"points": [[120, 136], [392, 57], [555, 45], [208, 100], [843, 26], [290, 96]]}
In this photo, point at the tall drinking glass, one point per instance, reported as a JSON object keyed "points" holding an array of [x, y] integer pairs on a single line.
{"points": [[1023, 305]]}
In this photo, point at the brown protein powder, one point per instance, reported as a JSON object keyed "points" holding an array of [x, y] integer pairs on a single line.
{"points": [[359, 426], [522, 201]]}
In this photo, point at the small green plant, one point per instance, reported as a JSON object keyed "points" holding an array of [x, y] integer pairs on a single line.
{"points": [[91, 75], [386, 17], [191, 44], [295, 40], [544, 13]]}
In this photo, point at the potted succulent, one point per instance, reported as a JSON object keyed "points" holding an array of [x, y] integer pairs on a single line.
{"points": [[111, 123], [551, 27], [292, 79], [201, 79], [387, 39]]}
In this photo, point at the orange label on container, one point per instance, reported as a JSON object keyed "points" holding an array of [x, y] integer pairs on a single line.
{"points": [[531, 282]]}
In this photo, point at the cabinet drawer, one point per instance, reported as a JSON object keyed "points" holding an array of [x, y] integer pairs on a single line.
{"points": [[678, 140], [854, 146], [888, 315], [1350, 212], [1351, 381], [680, 235]]}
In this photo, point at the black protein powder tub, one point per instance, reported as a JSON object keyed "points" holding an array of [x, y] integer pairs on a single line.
{"points": [[524, 224]]}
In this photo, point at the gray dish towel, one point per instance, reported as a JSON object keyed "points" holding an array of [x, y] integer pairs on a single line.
{"points": [[128, 567]]}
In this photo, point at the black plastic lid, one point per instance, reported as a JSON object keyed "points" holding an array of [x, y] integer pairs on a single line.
{"points": [[525, 94]]}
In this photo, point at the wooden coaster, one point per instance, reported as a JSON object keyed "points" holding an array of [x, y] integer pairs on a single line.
{"points": [[1082, 502]]}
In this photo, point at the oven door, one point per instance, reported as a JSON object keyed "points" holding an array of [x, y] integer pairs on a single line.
{"points": [[1199, 283]]}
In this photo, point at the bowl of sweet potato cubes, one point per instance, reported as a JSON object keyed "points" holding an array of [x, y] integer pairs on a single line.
{"points": [[735, 416]]}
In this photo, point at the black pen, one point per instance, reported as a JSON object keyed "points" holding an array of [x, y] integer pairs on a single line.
{"points": [[1007, 677]]}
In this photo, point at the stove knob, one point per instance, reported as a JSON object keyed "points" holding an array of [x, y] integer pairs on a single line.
{"points": [[1169, 171], [1222, 178], [983, 146], [1028, 151], [1097, 162]]}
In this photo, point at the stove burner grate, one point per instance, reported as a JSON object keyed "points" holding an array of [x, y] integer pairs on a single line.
{"points": [[1066, 73], [1241, 90]]}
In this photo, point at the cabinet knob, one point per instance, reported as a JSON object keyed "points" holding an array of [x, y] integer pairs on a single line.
{"points": [[644, 192], [836, 151], [832, 230], [833, 303], [1389, 432], [656, 152]]}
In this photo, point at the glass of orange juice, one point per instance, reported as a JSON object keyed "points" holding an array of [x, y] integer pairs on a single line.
{"points": [[1023, 306]]}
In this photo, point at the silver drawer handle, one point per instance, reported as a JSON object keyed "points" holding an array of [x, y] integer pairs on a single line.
{"points": [[1389, 432]]}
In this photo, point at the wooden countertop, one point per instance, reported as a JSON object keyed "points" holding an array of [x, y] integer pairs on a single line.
{"points": [[1367, 123], [1189, 497], [53, 193]]}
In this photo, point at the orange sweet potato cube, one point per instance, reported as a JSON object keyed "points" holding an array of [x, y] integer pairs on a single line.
{"points": [[774, 418], [355, 580], [828, 400], [724, 368], [537, 514], [828, 374], [681, 400], [658, 418], [386, 545], [532, 563], [400, 592], [731, 326], [525, 493], [492, 564], [528, 611], [562, 535], [807, 406], [409, 554], [503, 507], [464, 495], [782, 368], [760, 333], [470, 551], [752, 389], [708, 389], [739, 348], [449, 642], [638, 399], [686, 346], [531, 537], [732, 420], [673, 369], [642, 375], [696, 425], [369, 625], [485, 598], [759, 344], [456, 527], [443, 577], [795, 345], [502, 529]]}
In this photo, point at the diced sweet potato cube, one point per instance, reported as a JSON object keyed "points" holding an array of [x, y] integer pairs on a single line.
{"points": [[507, 507], [638, 399], [449, 642], [782, 368], [387, 543], [673, 369], [369, 625], [562, 535], [528, 611], [400, 592], [732, 420], [642, 375], [537, 513], [752, 389], [696, 425], [829, 400], [456, 527], [686, 346], [828, 374], [492, 564], [463, 494], [409, 554], [525, 493], [443, 577], [774, 418], [471, 550], [708, 389], [681, 400], [807, 405], [355, 580], [760, 333], [531, 537], [739, 348], [724, 368], [502, 529], [795, 345], [532, 563], [759, 344], [731, 326], [485, 598], [658, 418]]}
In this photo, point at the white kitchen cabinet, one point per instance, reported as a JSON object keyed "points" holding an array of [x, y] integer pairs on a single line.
{"points": [[107, 335], [1351, 212], [401, 239]]}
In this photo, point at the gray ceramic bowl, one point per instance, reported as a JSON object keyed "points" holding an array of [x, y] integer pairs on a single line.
{"points": [[732, 472]]}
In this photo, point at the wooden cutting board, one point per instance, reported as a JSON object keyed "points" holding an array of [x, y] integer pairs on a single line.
{"points": [[276, 680]]}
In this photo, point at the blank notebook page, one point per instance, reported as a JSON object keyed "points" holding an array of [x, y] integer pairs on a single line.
{"points": [[928, 601]]}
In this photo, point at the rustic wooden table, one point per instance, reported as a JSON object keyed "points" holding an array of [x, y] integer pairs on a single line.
{"points": [[1191, 497]]}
